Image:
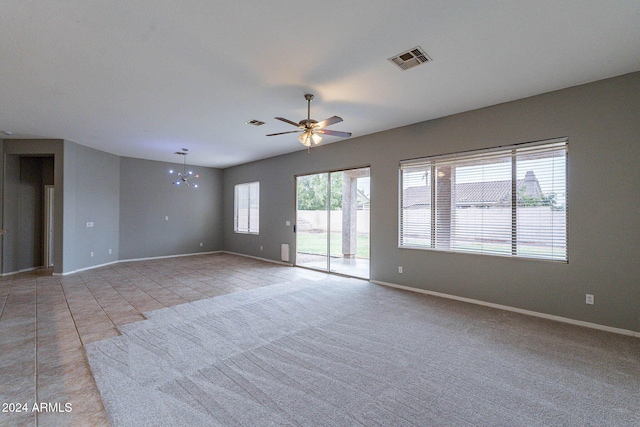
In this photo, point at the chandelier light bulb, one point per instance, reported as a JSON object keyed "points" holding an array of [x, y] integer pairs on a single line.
{"points": [[184, 175]]}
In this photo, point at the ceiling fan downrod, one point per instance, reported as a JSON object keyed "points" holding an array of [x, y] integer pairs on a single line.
{"points": [[308, 97]]}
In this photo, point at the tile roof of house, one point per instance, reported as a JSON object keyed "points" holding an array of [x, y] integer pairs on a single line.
{"points": [[476, 193]]}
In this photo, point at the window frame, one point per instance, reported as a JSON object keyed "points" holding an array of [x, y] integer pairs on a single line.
{"points": [[427, 220], [240, 218]]}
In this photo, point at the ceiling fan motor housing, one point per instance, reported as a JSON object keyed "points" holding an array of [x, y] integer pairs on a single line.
{"points": [[308, 123]]}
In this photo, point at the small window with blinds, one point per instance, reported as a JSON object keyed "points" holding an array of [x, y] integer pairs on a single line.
{"points": [[246, 218], [508, 201]]}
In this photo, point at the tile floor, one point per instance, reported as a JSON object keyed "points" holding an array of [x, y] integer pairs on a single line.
{"points": [[46, 320]]}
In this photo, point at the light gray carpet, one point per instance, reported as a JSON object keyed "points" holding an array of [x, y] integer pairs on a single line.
{"points": [[343, 352]]}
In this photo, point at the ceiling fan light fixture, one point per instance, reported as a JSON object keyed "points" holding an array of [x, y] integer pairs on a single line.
{"points": [[305, 139], [309, 138], [312, 128]]}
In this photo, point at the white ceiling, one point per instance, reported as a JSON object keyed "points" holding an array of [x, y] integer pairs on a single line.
{"points": [[147, 78]]}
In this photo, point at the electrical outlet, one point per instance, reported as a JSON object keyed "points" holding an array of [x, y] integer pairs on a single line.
{"points": [[400, 270], [589, 299], [166, 218], [261, 248], [89, 224], [91, 254], [200, 244], [110, 251]]}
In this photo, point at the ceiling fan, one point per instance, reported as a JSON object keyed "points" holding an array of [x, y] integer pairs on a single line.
{"points": [[312, 129]]}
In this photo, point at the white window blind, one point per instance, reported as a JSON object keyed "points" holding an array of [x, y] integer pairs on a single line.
{"points": [[247, 208], [509, 201]]}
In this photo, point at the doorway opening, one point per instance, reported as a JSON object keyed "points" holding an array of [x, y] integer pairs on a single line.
{"points": [[333, 221], [27, 216]]}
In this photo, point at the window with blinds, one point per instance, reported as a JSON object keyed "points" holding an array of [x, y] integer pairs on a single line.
{"points": [[509, 201], [246, 218]]}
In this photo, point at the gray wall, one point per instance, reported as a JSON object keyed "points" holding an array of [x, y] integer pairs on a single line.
{"points": [[86, 189], [125, 199], [602, 124], [11, 216], [14, 243], [92, 184], [128, 199], [147, 196]]}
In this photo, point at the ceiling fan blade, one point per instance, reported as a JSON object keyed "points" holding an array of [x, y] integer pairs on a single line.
{"points": [[328, 122], [334, 133], [282, 119], [282, 133]]}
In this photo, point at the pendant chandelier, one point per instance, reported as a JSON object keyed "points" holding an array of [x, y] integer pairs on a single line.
{"points": [[185, 177]]}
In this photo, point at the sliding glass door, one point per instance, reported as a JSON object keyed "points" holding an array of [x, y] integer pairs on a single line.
{"points": [[332, 222], [312, 221]]}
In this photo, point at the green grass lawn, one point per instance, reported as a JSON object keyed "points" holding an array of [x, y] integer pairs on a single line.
{"points": [[316, 243], [524, 251]]}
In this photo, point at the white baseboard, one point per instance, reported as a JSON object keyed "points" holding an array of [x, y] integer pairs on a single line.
{"points": [[85, 268], [514, 309], [288, 264], [378, 282], [133, 260], [168, 256], [153, 258]]}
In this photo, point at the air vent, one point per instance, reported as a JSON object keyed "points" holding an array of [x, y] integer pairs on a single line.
{"points": [[254, 122], [411, 58]]}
